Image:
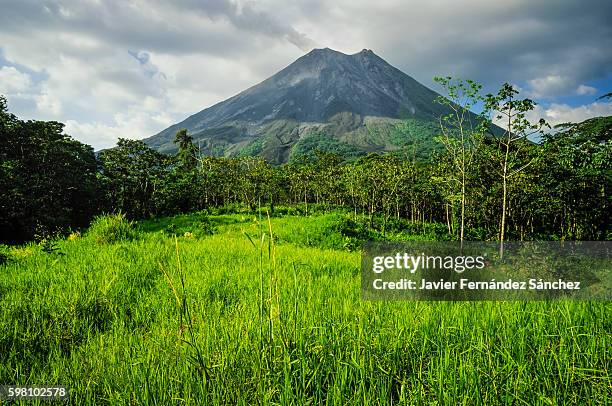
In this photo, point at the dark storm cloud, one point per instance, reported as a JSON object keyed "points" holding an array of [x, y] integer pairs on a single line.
{"points": [[116, 22], [517, 41], [246, 17], [154, 25]]}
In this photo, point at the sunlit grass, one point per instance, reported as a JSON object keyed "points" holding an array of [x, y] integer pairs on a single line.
{"points": [[238, 318]]}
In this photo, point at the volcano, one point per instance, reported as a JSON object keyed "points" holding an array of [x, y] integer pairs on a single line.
{"points": [[327, 100]]}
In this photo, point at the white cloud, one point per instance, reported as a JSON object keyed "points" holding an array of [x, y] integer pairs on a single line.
{"points": [[557, 113], [12, 81], [548, 86], [132, 124], [48, 105], [584, 90]]}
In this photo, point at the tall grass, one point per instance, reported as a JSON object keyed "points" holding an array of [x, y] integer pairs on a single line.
{"points": [[245, 316], [111, 228]]}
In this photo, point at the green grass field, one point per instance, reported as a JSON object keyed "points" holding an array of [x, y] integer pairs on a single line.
{"points": [[237, 318]]}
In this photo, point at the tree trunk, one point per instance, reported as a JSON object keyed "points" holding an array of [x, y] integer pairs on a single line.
{"points": [[448, 224], [502, 229], [462, 212]]}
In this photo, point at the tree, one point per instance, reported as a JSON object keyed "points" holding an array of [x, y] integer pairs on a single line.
{"points": [[133, 175], [512, 112], [48, 180], [187, 153], [181, 190], [462, 132], [577, 180]]}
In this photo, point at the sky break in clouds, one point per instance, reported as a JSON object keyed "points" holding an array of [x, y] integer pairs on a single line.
{"points": [[112, 69]]}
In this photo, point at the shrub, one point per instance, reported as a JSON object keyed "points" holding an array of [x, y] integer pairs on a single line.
{"points": [[406, 230], [229, 208], [280, 211], [193, 226], [341, 232], [111, 228], [204, 227], [4, 254], [49, 246]]}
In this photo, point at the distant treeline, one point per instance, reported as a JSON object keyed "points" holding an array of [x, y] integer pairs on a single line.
{"points": [[560, 188]]}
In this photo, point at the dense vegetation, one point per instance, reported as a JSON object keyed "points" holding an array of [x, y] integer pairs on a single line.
{"points": [[48, 180], [127, 314], [320, 142], [476, 185]]}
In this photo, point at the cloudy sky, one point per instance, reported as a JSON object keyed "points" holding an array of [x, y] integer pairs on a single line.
{"points": [[119, 68]]}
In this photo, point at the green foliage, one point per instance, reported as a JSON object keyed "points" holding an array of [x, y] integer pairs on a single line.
{"points": [[187, 154], [47, 179], [111, 228], [200, 227], [230, 208], [341, 231], [49, 246], [402, 229], [354, 233], [577, 180], [306, 148], [414, 139], [132, 174], [5, 255], [254, 148]]}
